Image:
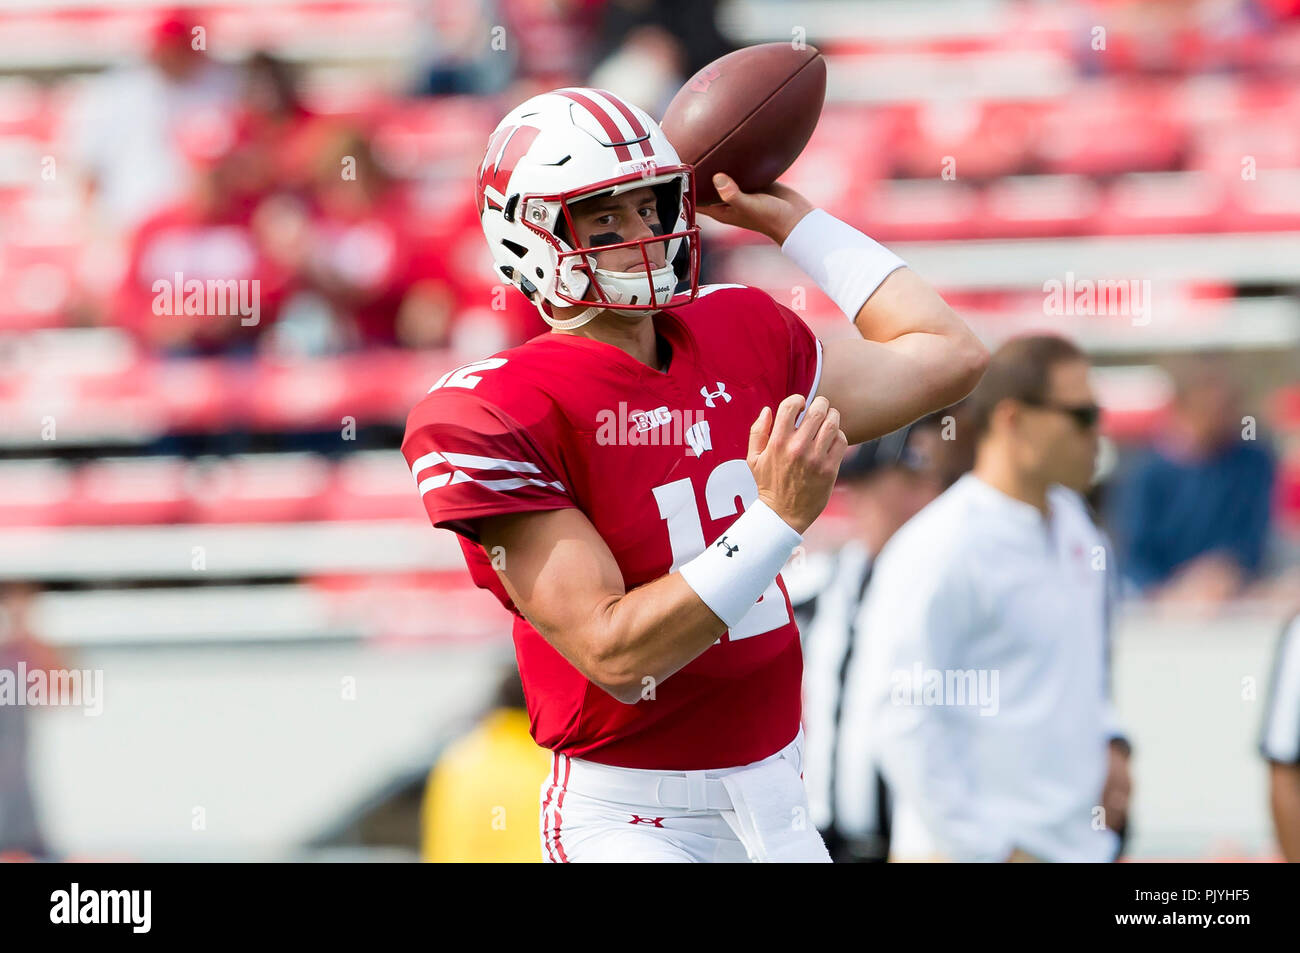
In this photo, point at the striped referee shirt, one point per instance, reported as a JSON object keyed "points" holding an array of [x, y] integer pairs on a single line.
{"points": [[827, 593]]}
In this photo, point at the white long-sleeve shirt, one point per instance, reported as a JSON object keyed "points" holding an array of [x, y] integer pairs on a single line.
{"points": [[984, 684], [1280, 738]]}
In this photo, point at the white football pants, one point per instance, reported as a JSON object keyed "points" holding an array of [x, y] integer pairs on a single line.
{"points": [[597, 813]]}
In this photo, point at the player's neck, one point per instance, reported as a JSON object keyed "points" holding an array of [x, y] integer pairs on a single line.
{"points": [[635, 337]]}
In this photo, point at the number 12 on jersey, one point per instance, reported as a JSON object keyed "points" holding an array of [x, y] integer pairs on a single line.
{"points": [[730, 481]]}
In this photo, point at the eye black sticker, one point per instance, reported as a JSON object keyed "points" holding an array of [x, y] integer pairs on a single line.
{"points": [[604, 238]]}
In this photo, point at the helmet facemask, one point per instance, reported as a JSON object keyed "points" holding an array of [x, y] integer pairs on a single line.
{"points": [[579, 281]]}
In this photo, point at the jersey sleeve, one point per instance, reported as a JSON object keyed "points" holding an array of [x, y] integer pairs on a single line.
{"points": [[472, 459], [802, 352]]}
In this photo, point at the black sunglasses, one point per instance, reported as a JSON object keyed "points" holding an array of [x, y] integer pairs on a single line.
{"points": [[1086, 416]]}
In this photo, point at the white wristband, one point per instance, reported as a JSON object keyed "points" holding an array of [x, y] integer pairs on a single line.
{"points": [[730, 575], [845, 263]]}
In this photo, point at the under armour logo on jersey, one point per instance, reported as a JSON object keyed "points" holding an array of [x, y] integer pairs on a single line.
{"points": [[731, 550], [720, 392], [698, 439], [655, 821]]}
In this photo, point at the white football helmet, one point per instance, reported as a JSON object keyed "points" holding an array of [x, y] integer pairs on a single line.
{"points": [[570, 144]]}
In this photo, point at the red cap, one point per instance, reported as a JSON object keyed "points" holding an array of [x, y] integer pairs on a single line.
{"points": [[174, 28]]}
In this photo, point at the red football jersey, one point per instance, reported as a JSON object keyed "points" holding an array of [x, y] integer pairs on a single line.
{"points": [[656, 461]]}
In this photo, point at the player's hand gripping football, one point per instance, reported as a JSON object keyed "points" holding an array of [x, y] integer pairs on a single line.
{"points": [[774, 212], [795, 469]]}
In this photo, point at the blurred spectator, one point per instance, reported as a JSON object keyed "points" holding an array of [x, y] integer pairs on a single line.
{"points": [[482, 47], [1193, 515], [20, 830], [1156, 37], [647, 70], [273, 118], [480, 804], [694, 23], [984, 676], [463, 58], [487, 318], [553, 39], [205, 237], [362, 276], [887, 482], [126, 129]]}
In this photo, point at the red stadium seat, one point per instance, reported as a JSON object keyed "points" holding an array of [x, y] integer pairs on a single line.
{"points": [[1112, 127], [25, 111], [922, 209], [261, 489], [435, 136], [35, 493], [404, 607], [979, 140], [302, 395], [372, 486], [36, 285], [1040, 205], [117, 492], [1271, 202], [1247, 143], [1164, 202]]}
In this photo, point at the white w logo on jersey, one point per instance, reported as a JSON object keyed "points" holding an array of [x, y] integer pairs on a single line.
{"points": [[697, 437]]}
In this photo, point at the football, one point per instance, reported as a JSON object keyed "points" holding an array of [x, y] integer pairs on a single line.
{"points": [[748, 114]]}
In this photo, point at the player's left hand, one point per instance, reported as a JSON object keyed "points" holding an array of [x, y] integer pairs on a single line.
{"points": [[773, 212]]}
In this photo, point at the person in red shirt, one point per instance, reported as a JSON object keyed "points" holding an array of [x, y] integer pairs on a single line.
{"points": [[198, 279], [630, 483]]}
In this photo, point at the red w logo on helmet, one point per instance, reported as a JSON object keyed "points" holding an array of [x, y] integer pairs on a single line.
{"points": [[506, 147]]}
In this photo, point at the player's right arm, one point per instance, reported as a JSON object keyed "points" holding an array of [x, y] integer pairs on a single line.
{"points": [[563, 578], [914, 356]]}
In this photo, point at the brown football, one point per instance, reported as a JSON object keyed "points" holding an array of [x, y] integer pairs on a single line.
{"points": [[748, 114]]}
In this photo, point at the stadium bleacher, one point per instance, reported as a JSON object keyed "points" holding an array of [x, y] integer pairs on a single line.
{"points": [[1060, 162]]}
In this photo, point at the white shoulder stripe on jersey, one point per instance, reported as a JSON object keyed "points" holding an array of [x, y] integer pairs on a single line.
{"points": [[445, 479], [423, 463], [472, 462], [812, 392], [490, 463], [460, 476], [518, 482]]}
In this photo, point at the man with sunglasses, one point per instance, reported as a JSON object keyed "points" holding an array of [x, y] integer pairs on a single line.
{"points": [[985, 679]]}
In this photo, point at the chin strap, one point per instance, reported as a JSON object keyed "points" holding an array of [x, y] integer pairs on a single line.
{"points": [[568, 324], [619, 286]]}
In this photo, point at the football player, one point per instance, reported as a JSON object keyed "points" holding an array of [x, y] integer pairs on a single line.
{"points": [[630, 483]]}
